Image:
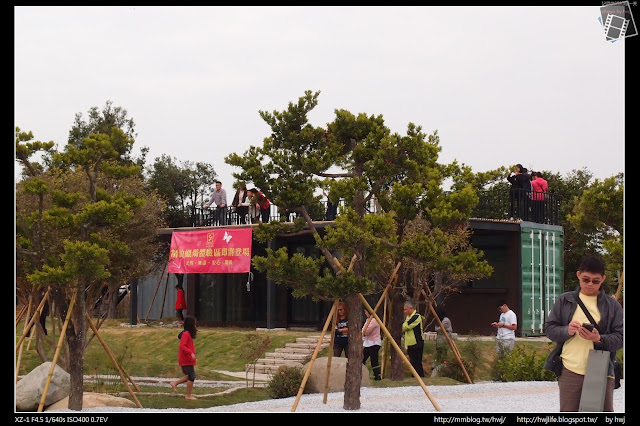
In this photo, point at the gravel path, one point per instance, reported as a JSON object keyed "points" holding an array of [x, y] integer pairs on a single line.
{"points": [[517, 397]]}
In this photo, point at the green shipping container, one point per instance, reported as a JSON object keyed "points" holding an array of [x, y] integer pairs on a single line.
{"points": [[542, 248]]}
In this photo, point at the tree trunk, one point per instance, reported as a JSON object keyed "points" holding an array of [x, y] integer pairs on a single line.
{"points": [[76, 337], [397, 318], [113, 297], [353, 380], [42, 354]]}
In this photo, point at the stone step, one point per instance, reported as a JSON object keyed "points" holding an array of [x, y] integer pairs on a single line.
{"points": [[302, 346], [288, 356], [297, 350], [293, 354], [277, 361], [312, 340], [270, 368]]}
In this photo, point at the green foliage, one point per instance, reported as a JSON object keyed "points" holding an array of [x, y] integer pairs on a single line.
{"points": [[400, 172], [523, 364], [81, 260], [35, 186], [449, 366], [599, 214], [285, 382], [64, 199], [76, 206], [182, 186], [299, 271]]}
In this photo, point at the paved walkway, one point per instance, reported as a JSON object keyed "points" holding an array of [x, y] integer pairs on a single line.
{"points": [[259, 377]]}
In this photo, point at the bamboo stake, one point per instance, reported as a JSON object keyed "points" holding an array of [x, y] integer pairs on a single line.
{"points": [[384, 293], [21, 314], [32, 332], [156, 292], [353, 262], [32, 320], [452, 344], [115, 362], [99, 323], [402, 355], [385, 346], [55, 356], [166, 287], [333, 327], [330, 357], [315, 354], [384, 297], [39, 313], [20, 344], [53, 318]]}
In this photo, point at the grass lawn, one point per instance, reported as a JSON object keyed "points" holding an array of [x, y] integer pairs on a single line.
{"points": [[151, 351]]}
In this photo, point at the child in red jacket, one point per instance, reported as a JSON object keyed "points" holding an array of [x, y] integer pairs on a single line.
{"points": [[187, 356], [181, 303]]}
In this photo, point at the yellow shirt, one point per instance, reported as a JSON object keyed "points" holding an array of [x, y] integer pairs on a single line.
{"points": [[575, 351]]}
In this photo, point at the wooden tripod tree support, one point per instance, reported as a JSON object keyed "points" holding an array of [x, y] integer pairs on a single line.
{"points": [[21, 313], [59, 346], [115, 362], [383, 297], [20, 345], [385, 344], [384, 293], [331, 317], [334, 321], [333, 327], [399, 351], [452, 344], [57, 353], [32, 320], [315, 354]]}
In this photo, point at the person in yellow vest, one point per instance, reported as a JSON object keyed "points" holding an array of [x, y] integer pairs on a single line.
{"points": [[413, 336]]}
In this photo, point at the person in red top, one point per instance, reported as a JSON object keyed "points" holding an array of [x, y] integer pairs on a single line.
{"points": [[187, 356], [539, 188], [181, 303], [259, 199]]}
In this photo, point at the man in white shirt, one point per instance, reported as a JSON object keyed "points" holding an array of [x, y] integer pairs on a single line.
{"points": [[506, 325], [219, 197]]}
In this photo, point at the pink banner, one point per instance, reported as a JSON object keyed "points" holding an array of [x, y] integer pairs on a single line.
{"points": [[210, 252]]}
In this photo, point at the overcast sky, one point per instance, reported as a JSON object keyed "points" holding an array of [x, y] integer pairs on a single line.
{"points": [[539, 86]]}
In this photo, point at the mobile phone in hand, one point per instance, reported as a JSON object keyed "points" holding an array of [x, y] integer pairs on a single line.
{"points": [[588, 326]]}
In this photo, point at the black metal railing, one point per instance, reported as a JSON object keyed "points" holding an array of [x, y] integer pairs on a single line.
{"points": [[533, 206], [520, 204]]}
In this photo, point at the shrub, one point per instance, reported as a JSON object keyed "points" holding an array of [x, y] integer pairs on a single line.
{"points": [[449, 366], [285, 382], [523, 365]]}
